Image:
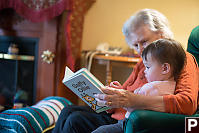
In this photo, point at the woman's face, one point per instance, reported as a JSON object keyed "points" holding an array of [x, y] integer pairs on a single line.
{"points": [[141, 38]]}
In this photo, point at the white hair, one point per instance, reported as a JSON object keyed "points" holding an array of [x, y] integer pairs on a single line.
{"points": [[156, 21]]}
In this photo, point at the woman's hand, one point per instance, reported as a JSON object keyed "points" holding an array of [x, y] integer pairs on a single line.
{"points": [[119, 98], [114, 98]]}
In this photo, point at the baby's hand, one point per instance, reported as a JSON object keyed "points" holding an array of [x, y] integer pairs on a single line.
{"points": [[115, 84]]}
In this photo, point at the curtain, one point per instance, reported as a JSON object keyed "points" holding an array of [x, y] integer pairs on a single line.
{"points": [[37, 10]]}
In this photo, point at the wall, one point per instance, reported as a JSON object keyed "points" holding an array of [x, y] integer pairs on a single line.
{"points": [[104, 21]]}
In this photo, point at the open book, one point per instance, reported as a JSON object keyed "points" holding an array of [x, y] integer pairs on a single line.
{"points": [[84, 84]]}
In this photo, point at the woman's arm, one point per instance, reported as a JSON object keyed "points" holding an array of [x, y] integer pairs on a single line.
{"points": [[154, 103]]}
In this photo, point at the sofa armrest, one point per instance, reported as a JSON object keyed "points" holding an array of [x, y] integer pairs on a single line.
{"points": [[141, 121]]}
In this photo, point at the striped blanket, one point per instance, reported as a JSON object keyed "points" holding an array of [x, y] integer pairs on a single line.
{"points": [[33, 119]]}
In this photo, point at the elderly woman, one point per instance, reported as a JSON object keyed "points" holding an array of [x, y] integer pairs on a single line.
{"points": [[141, 29]]}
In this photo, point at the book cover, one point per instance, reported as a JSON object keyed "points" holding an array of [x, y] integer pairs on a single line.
{"points": [[84, 84]]}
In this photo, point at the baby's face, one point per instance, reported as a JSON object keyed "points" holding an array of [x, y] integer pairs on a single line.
{"points": [[153, 69]]}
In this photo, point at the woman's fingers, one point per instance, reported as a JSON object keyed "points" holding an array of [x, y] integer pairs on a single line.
{"points": [[114, 97], [109, 90], [100, 102], [103, 103], [100, 96]]}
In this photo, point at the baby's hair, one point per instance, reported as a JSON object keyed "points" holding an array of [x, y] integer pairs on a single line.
{"points": [[167, 51]]}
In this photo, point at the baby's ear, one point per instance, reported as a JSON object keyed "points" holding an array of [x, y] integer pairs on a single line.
{"points": [[166, 68]]}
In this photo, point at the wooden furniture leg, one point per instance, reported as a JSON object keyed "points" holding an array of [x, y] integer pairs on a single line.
{"points": [[108, 72]]}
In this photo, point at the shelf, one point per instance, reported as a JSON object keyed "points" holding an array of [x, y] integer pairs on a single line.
{"points": [[17, 57], [118, 58]]}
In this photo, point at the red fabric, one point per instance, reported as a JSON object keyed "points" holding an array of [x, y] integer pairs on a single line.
{"points": [[80, 7], [35, 15], [69, 55]]}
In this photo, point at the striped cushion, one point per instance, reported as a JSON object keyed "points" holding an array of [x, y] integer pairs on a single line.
{"points": [[33, 119]]}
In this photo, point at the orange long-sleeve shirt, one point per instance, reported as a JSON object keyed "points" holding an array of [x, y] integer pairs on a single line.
{"points": [[184, 100]]}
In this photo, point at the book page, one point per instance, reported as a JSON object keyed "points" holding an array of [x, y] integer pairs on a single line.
{"points": [[68, 74]]}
